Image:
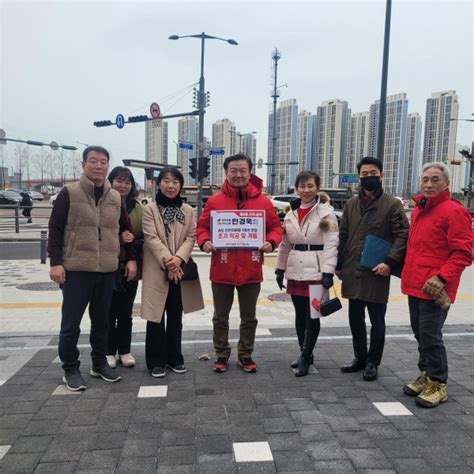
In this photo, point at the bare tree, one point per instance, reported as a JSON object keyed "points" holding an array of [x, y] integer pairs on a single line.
{"points": [[40, 163], [22, 155]]}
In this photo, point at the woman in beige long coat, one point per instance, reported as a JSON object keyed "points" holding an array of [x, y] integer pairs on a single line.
{"points": [[169, 230]]}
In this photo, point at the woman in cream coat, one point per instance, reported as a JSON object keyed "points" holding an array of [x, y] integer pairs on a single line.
{"points": [[308, 256], [169, 231]]}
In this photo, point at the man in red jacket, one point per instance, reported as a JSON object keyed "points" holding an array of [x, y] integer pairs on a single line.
{"points": [[439, 249], [237, 268]]}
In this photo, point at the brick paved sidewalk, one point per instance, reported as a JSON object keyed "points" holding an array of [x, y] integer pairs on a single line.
{"points": [[196, 422]]}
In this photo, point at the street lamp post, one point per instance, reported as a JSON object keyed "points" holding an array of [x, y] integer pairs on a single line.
{"points": [[201, 103], [241, 135]]}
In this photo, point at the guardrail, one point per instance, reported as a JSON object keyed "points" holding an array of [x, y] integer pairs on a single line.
{"points": [[11, 217]]}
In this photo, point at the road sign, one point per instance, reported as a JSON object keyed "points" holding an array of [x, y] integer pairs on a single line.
{"points": [[217, 151], [349, 179], [155, 111], [120, 121], [54, 146], [2, 137], [186, 146]]}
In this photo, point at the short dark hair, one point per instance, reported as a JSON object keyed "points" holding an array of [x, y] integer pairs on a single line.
{"points": [[97, 149], [304, 176], [174, 172], [124, 173], [369, 160], [238, 157]]}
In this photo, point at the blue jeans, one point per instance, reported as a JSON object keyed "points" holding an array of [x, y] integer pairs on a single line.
{"points": [[427, 320]]}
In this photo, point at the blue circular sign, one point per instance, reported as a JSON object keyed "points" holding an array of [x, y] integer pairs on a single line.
{"points": [[120, 121]]}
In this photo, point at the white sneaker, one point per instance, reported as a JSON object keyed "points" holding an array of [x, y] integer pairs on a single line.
{"points": [[112, 361], [127, 360]]}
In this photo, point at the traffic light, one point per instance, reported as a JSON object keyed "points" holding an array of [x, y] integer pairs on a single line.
{"points": [[138, 118], [102, 123], [205, 168], [193, 168]]}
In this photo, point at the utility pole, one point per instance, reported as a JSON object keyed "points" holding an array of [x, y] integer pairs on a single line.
{"points": [[276, 55], [383, 89]]}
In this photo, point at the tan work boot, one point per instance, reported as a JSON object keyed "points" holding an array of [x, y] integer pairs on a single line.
{"points": [[415, 388], [432, 395]]}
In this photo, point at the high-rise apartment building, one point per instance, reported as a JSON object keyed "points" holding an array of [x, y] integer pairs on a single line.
{"points": [[411, 171], [156, 141], [223, 136], [247, 144], [439, 142], [188, 134], [284, 161], [330, 141], [395, 140], [304, 140], [357, 141]]}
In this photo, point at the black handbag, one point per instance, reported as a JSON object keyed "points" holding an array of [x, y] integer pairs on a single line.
{"points": [[330, 306], [190, 270]]}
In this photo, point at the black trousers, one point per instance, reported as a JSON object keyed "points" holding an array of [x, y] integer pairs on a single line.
{"points": [[427, 320], [303, 319], [120, 318], [359, 330], [163, 340], [79, 290]]}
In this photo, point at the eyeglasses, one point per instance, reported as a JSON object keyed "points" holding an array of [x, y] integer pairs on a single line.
{"points": [[235, 172], [102, 163]]}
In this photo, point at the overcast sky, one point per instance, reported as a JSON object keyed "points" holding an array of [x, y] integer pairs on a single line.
{"points": [[66, 64]]}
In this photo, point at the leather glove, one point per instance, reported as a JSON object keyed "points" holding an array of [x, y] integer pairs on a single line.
{"points": [[433, 286], [443, 299], [279, 278], [328, 280]]}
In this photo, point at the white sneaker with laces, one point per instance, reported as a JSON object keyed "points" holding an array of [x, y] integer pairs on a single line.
{"points": [[127, 360], [112, 361]]}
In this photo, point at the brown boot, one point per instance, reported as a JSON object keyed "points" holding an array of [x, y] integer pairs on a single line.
{"points": [[415, 388], [432, 395]]}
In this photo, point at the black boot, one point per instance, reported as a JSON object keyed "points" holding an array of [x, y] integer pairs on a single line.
{"points": [[305, 360], [300, 332], [294, 364]]}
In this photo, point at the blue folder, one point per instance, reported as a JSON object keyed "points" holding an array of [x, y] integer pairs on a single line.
{"points": [[375, 251]]}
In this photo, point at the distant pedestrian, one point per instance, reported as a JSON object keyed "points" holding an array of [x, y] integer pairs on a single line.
{"points": [[439, 249], [169, 227], [28, 203], [84, 247], [372, 213], [308, 256], [239, 269], [121, 308]]}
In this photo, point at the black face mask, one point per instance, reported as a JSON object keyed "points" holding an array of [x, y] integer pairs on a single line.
{"points": [[371, 183]]}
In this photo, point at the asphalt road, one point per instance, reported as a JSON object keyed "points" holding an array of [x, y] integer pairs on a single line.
{"points": [[19, 250]]}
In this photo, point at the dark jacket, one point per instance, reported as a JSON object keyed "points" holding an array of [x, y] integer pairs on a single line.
{"points": [[384, 218], [239, 266], [439, 243]]}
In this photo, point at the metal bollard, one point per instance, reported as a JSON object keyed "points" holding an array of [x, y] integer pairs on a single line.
{"points": [[17, 219], [43, 244]]}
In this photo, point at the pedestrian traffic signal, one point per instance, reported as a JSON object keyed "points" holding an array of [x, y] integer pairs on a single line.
{"points": [[193, 168], [102, 123], [205, 168], [138, 118]]}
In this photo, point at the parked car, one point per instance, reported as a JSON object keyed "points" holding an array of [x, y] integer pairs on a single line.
{"points": [[9, 197], [35, 195], [53, 198], [338, 196]]}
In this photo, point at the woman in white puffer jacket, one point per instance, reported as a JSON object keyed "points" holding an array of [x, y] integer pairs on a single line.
{"points": [[308, 256]]}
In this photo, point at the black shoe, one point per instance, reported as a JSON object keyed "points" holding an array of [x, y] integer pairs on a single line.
{"points": [[355, 366], [370, 372], [158, 372], [106, 373], [294, 364], [74, 381], [177, 369]]}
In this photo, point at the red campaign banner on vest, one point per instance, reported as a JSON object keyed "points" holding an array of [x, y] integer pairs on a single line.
{"points": [[238, 229]]}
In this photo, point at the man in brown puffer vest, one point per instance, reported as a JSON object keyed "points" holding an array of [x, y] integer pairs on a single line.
{"points": [[83, 247]]}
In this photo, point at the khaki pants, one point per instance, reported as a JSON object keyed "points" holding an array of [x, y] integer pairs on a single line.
{"points": [[223, 298]]}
